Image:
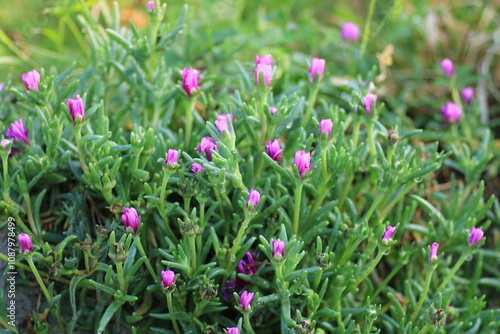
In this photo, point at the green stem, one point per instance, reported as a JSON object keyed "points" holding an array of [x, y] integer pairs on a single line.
{"points": [[192, 250], [296, 214], [163, 193], [78, 138], [355, 131], [6, 179], [29, 212], [387, 279], [452, 272], [340, 323], [371, 139], [424, 294], [248, 326], [263, 114], [189, 125], [86, 260], [396, 199], [138, 244], [34, 270], [366, 30], [121, 277], [171, 312], [236, 243], [372, 266], [310, 105]]}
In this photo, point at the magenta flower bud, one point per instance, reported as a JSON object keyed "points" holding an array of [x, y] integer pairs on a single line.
{"points": [[167, 278], [246, 300], [207, 144], [31, 80], [268, 73], [221, 122], [24, 242], [447, 66], [369, 100], [1, 86], [247, 267], [130, 220], [278, 248], [5, 143], [325, 126], [475, 235], [389, 231], [172, 158], [350, 32], [265, 59], [303, 162], [467, 94], [151, 5], [189, 80], [18, 132], [76, 109], [274, 150], [196, 168], [272, 110], [433, 253], [451, 112], [317, 66], [253, 198], [233, 330]]}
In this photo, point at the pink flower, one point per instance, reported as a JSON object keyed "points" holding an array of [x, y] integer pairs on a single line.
{"points": [[167, 278], [196, 168], [151, 5], [325, 126], [18, 132], [317, 66], [475, 235], [5, 143], [189, 80], [76, 109], [433, 253], [467, 94], [246, 299], [253, 198], [451, 112], [268, 73], [389, 231], [274, 150], [207, 144], [233, 330], [265, 59], [24, 242], [447, 66], [172, 158], [278, 248], [247, 267], [303, 162], [272, 110], [130, 220], [221, 122], [31, 80], [369, 100], [350, 32]]}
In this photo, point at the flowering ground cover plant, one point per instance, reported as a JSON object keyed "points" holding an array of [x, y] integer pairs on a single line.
{"points": [[168, 182]]}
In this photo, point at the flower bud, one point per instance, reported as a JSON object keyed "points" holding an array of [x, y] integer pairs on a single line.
{"points": [[389, 231], [475, 235], [172, 158], [467, 94], [278, 248], [325, 126], [317, 67], [433, 252], [451, 112], [207, 144], [233, 330], [221, 122], [76, 109], [18, 132], [303, 162], [350, 32], [167, 278], [447, 66], [246, 299], [24, 242], [151, 5], [265, 59], [268, 73], [273, 110], [369, 100], [130, 220], [189, 80], [31, 80], [274, 150], [196, 168], [5, 143], [253, 199]]}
